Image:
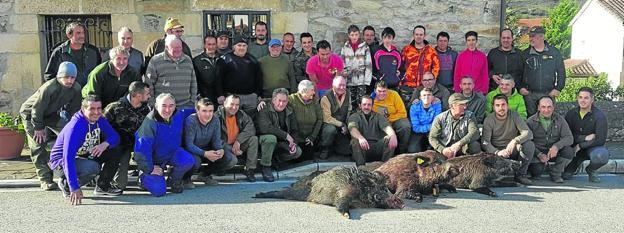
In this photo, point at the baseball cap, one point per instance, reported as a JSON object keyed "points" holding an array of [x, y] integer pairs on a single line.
{"points": [[275, 42], [457, 98]]}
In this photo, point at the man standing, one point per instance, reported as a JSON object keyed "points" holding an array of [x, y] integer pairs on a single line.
{"points": [[371, 40], [544, 72], [336, 108], [126, 116], [80, 150], [371, 134], [323, 67], [419, 58], [172, 72], [454, 132], [75, 50], [125, 37], [111, 79], [239, 133], [308, 115], [552, 138], [358, 65], [439, 91], [504, 59], [173, 27], [422, 114], [289, 46], [507, 135], [223, 43], [387, 62], [476, 100], [276, 70], [259, 47], [158, 144], [506, 87], [277, 125], [301, 59], [589, 129], [45, 113], [472, 62], [205, 65], [202, 138], [447, 57], [239, 73], [388, 103]]}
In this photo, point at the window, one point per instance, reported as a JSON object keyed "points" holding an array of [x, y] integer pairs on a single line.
{"points": [[98, 31], [237, 23]]}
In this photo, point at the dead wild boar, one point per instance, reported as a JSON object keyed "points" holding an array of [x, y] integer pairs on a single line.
{"points": [[481, 171], [342, 187]]}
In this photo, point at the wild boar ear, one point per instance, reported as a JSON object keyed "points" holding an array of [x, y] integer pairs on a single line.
{"points": [[421, 160]]}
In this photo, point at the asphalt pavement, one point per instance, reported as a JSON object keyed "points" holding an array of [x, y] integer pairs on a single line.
{"points": [[576, 206]]}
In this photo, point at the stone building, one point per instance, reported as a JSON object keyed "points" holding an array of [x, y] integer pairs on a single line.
{"points": [[30, 28]]}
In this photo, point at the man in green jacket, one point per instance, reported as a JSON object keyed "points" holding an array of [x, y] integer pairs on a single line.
{"points": [[454, 132], [507, 135], [45, 113], [277, 125], [111, 79], [309, 116], [507, 88], [371, 134], [552, 138], [239, 133]]}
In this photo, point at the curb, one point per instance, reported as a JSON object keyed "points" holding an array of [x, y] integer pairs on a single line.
{"points": [[614, 166]]}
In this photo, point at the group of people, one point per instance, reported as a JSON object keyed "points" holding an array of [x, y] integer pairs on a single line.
{"points": [[265, 100]]}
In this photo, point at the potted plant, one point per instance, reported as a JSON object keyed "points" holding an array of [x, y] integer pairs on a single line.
{"points": [[12, 136]]}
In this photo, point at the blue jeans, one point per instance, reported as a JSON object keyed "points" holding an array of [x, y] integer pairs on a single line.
{"points": [[598, 156]]}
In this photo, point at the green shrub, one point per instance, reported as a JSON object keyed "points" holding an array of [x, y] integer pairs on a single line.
{"points": [[600, 85], [11, 122]]}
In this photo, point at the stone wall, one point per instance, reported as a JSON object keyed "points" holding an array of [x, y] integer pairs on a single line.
{"points": [[612, 109], [21, 42]]}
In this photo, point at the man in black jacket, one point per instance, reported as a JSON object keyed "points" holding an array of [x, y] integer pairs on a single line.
{"points": [[239, 73], [589, 129], [543, 73], [504, 59], [205, 65], [75, 50]]}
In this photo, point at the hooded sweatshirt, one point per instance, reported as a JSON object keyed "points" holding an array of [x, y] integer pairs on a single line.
{"points": [[72, 141], [474, 64]]}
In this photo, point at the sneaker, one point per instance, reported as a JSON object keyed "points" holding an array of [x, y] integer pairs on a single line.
{"points": [[567, 175], [48, 185], [207, 179], [62, 185], [251, 177], [591, 175], [107, 191], [267, 174], [556, 179], [188, 184], [523, 180], [177, 186]]}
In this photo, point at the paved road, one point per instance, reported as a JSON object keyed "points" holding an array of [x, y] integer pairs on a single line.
{"points": [[574, 207]]}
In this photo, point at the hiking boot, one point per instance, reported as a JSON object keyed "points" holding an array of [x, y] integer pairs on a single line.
{"points": [[267, 174], [207, 179], [48, 185], [251, 177], [107, 191], [591, 175], [177, 186], [556, 179], [523, 180], [188, 184], [567, 175], [62, 185]]}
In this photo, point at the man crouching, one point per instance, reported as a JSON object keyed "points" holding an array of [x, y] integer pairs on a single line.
{"points": [[80, 150], [159, 143]]}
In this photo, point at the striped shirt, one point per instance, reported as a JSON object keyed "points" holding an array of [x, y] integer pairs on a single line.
{"points": [[175, 77]]}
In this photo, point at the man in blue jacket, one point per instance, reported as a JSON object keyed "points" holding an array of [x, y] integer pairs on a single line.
{"points": [[422, 114], [158, 144], [80, 150]]}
